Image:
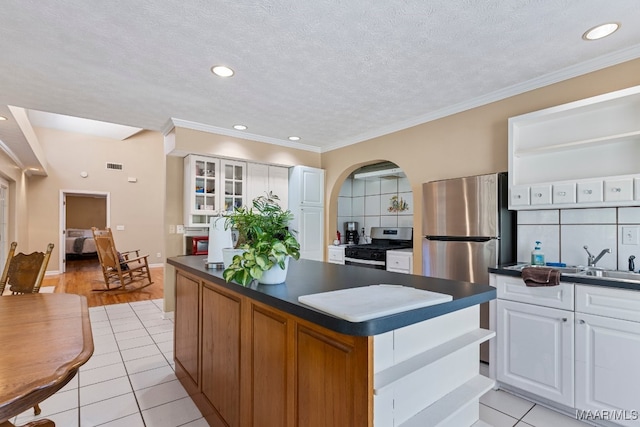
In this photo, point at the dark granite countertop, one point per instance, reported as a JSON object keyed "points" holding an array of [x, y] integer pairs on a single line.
{"points": [[573, 278], [309, 277]]}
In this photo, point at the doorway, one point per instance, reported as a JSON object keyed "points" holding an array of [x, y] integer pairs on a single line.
{"points": [[79, 211], [4, 221]]}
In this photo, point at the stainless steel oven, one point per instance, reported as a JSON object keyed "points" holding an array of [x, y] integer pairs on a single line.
{"points": [[374, 254]]}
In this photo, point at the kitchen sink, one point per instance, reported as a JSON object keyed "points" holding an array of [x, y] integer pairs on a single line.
{"points": [[614, 275]]}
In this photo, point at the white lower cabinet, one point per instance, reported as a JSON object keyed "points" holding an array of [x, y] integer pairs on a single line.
{"points": [[608, 353], [400, 261], [535, 350], [585, 359], [336, 254]]}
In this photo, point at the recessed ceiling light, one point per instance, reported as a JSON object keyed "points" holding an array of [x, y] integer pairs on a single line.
{"points": [[240, 127], [601, 31], [222, 71], [294, 138], [3, 118]]}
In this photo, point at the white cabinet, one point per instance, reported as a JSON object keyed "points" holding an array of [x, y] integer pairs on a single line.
{"points": [[306, 186], [535, 349], [336, 254], [306, 202], [607, 351], [202, 179], [262, 179], [308, 222], [400, 261], [594, 139]]}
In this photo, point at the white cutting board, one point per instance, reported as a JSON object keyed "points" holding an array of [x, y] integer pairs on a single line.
{"points": [[369, 302]]}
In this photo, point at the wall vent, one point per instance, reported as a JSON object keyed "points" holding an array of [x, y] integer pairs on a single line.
{"points": [[114, 166]]}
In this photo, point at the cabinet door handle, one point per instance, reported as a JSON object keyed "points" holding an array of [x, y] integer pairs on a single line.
{"points": [[564, 319], [588, 191], [616, 189], [517, 196], [582, 322], [562, 193], [538, 194]]}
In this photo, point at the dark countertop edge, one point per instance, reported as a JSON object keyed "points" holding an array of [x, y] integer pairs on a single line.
{"points": [[582, 280], [371, 327]]}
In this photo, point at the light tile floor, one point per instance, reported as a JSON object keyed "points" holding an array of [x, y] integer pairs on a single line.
{"points": [[130, 382]]}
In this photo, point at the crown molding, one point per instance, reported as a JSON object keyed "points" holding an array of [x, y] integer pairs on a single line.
{"points": [[239, 134], [586, 67]]}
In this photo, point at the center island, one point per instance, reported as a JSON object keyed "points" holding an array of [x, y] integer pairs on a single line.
{"points": [[256, 356]]}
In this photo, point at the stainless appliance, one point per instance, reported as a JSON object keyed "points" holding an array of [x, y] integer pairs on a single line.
{"points": [[351, 233], [468, 228], [374, 254]]}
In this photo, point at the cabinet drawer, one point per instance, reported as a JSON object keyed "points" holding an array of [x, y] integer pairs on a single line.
{"points": [[618, 190], [399, 262], [336, 255], [519, 196], [514, 289], [564, 193], [589, 192], [541, 195], [618, 303]]}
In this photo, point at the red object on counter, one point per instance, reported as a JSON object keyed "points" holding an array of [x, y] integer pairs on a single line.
{"points": [[338, 235]]}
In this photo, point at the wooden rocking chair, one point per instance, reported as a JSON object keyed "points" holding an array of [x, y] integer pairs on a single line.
{"points": [[128, 271]]}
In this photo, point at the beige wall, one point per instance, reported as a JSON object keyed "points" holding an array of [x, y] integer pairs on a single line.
{"points": [[86, 211], [137, 206], [469, 143]]}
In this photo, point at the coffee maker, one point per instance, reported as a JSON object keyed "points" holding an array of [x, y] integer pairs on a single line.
{"points": [[351, 233]]}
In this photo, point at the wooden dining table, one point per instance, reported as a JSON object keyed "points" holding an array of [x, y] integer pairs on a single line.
{"points": [[44, 338]]}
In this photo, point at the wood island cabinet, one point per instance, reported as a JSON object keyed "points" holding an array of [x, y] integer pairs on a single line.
{"points": [[248, 364]]}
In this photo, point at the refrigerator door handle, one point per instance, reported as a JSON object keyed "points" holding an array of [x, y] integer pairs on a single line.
{"points": [[461, 238]]}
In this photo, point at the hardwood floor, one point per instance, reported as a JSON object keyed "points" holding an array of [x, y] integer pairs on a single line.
{"points": [[84, 275]]}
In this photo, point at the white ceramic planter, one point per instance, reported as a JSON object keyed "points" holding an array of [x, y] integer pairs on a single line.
{"points": [[275, 275], [228, 254]]}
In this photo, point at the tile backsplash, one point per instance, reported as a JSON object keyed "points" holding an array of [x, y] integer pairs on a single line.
{"points": [[564, 233], [370, 202]]}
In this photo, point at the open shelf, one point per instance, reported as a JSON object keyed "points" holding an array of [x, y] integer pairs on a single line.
{"points": [[593, 142], [449, 405], [384, 380]]}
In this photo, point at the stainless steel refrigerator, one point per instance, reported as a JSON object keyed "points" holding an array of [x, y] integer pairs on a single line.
{"points": [[467, 229]]}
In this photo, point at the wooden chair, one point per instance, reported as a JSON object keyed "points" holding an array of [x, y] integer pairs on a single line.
{"points": [[128, 271], [24, 274]]}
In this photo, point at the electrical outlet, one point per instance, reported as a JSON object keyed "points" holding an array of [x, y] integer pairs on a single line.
{"points": [[180, 229], [159, 255], [630, 235], [172, 229], [120, 227]]}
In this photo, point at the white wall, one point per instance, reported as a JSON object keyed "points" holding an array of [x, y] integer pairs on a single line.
{"points": [[368, 201], [564, 232]]}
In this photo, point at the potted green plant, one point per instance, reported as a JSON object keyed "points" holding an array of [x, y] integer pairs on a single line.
{"points": [[267, 242]]}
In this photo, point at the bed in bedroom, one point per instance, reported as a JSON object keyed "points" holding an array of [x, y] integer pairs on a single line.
{"points": [[79, 243]]}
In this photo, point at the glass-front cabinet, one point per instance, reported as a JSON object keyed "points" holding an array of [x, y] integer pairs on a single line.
{"points": [[235, 183], [212, 187]]}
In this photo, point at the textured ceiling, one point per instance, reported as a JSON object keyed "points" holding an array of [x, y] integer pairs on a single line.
{"points": [[331, 72]]}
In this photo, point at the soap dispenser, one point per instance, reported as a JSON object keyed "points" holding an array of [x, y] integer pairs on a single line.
{"points": [[537, 257]]}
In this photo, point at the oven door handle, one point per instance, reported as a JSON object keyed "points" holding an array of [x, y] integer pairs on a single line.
{"points": [[363, 261]]}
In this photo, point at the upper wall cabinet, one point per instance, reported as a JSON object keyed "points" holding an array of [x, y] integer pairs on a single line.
{"points": [[263, 179], [211, 187], [307, 186], [582, 154]]}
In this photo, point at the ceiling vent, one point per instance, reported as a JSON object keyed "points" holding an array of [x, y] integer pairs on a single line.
{"points": [[114, 166]]}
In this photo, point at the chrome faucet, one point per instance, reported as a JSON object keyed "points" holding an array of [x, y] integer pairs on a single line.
{"points": [[591, 260]]}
